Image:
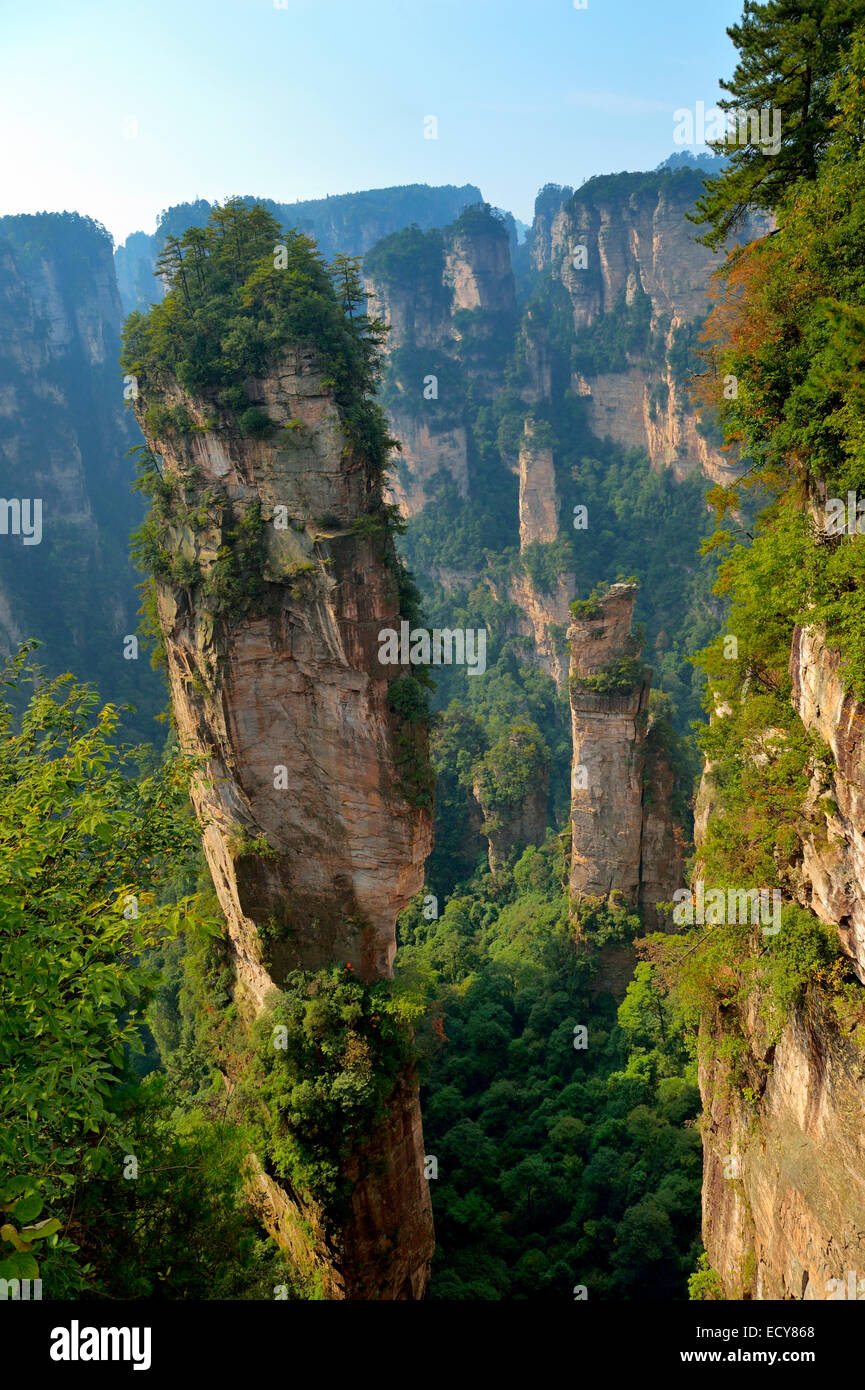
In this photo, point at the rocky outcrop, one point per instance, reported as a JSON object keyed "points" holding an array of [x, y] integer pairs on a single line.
{"points": [[534, 360], [427, 448], [477, 266], [833, 866], [313, 787], [784, 1171], [543, 239], [632, 226], [624, 837], [416, 307], [538, 613], [523, 824], [783, 1192], [543, 613], [544, 617], [444, 297], [384, 1255]]}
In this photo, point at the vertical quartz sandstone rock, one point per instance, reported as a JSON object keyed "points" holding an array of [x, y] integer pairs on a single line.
{"points": [[290, 705], [623, 836], [544, 614], [538, 498], [609, 731]]}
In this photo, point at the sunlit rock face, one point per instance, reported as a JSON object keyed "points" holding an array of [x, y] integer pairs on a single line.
{"points": [[622, 244], [783, 1185]]}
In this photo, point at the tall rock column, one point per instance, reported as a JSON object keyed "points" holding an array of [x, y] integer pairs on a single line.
{"points": [[315, 789], [625, 835], [538, 498], [609, 692], [545, 612]]}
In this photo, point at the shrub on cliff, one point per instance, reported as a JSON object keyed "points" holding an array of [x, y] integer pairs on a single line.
{"points": [[327, 1057], [511, 771], [409, 259], [615, 678]]}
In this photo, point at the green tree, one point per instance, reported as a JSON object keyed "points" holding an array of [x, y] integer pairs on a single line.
{"points": [[86, 852], [788, 56]]}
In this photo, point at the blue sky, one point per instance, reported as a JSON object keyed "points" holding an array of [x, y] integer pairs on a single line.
{"points": [[121, 110]]}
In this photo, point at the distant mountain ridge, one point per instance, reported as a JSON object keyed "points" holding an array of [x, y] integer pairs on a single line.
{"points": [[347, 224]]}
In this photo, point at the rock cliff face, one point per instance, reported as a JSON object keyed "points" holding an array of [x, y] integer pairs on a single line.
{"points": [[635, 233], [783, 1185], [783, 1191], [314, 833], [833, 868], [416, 306], [424, 443], [544, 613], [624, 838], [622, 249], [544, 617], [64, 434], [478, 267], [650, 410], [539, 510], [443, 308]]}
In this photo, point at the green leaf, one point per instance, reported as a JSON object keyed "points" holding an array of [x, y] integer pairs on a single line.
{"points": [[42, 1230], [26, 1208], [25, 1267], [12, 1187]]}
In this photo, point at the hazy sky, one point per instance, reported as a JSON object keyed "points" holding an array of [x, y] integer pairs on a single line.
{"points": [[119, 109]]}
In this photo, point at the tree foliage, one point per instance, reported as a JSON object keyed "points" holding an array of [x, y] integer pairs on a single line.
{"points": [[789, 52], [87, 849]]}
